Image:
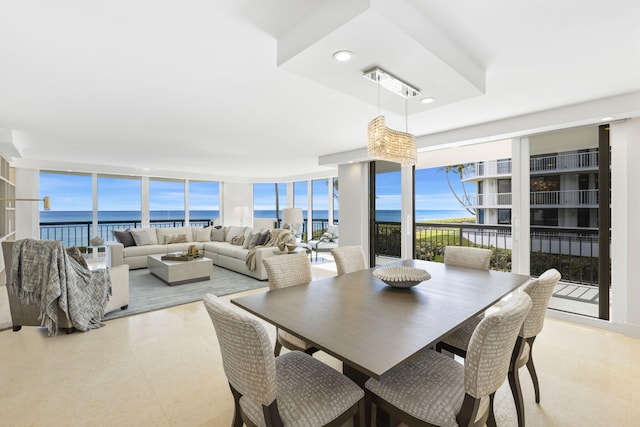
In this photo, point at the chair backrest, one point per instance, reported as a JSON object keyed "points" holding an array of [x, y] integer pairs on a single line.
{"points": [[540, 291], [287, 270], [465, 256], [349, 258], [491, 346], [247, 354]]}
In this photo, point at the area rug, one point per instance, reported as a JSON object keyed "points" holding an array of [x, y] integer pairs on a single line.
{"points": [[148, 293]]}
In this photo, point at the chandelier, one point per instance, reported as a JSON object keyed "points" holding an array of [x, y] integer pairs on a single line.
{"points": [[385, 143]]}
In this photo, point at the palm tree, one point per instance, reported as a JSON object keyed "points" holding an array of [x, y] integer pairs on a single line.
{"points": [[458, 169]]}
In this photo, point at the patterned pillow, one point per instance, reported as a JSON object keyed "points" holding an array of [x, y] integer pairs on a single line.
{"points": [[237, 240], [177, 238]]}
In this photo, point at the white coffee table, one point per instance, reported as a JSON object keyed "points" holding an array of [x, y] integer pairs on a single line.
{"points": [[180, 272]]}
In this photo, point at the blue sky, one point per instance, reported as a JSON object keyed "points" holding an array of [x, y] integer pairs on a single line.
{"points": [[73, 193]]}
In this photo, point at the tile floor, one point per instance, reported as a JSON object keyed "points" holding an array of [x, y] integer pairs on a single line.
{"points": [[163, 369]]}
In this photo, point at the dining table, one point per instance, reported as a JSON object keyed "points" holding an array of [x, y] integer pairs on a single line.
{"points": [[373, 327]]}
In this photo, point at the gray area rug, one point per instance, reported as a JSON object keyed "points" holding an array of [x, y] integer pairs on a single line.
{"points": [[148, 293]]}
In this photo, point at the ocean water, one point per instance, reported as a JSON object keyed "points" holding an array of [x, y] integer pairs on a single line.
{"points": [[106, 216]]}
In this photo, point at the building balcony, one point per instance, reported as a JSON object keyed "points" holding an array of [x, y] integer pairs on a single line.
{"points": [[557, 163], [540, 199]]}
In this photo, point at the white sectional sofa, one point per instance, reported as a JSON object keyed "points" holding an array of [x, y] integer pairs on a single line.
{"points": [[215, 243]]}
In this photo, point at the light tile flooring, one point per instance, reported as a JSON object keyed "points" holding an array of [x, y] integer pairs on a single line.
{"points": [[164, 369]]}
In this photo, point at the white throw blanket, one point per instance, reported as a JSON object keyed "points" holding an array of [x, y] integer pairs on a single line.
{"points": [[278, 235], [43, 274]]}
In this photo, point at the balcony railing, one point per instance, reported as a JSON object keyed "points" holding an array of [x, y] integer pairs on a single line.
{"points": [[565, 198], [78, 233], [488, 200], [564, 162], [554, 163], [573, 251]]}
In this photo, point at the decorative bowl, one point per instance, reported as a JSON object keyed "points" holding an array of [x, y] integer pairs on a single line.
{"points": [[401, 276], [96, 241], [291, 247], [281, 246]]}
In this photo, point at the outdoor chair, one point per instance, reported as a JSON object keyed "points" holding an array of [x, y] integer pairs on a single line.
{"points": [[349, 259], [435, 390], [289, 390], [284, 271], [466, 256], [540, 291]]}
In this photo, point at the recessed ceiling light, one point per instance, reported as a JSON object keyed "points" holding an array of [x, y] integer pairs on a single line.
{"points": [[342, 55], [606, 119], [427, 100]]}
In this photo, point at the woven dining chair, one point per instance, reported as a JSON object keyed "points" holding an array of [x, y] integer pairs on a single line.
{"points": [[284, 271], [349, 259], [292, 390], [466, 256], [435, 390], [540, 291]]}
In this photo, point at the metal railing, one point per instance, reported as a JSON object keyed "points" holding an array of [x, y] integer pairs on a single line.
{"points": [[564, 162], [572, 251], [564, 198], [78, 233]]}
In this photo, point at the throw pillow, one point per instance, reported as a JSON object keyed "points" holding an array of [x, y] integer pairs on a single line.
{"points": [[253, 241], [264, 238], [204, 235], [217, 235], [178, 238], [141, 237], [124, 237], [333, 230], [74, 253], [247, 237], [233, 231], [237, 240]]}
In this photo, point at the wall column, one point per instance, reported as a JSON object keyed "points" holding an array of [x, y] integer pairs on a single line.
{"points": [[520, 213]]}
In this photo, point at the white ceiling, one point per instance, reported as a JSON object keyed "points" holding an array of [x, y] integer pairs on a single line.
{"points": [[247, 89]]}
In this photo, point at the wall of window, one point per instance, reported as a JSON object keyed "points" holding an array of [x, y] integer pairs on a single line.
{"points": [[204, 201], [119, 198], [166, 199]]}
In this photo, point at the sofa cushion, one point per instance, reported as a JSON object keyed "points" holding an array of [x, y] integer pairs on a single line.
{"points": [[178, 238], [232, 251], [125, 237], [247, 237], [134, 251], [204, 234], [233, 231], [144, 237], [162, 233], [253, 240], [218, 234], [264, 238]]}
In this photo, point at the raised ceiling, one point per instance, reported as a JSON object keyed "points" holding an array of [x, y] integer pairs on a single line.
{"points": [[247, 90]]}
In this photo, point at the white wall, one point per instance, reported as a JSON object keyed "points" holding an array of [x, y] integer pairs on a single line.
{"points": [[625, 233], [354, 204], [236, 195]]}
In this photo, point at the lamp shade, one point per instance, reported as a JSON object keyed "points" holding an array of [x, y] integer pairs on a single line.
{"points": [[292, 216]]}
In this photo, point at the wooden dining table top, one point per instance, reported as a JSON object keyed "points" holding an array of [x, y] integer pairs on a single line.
{"points": [[373, 327]]}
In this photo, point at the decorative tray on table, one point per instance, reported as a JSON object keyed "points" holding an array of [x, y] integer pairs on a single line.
{"points": [[401, 276], [178, 256]]}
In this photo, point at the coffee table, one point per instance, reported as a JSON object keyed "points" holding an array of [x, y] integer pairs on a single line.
{"points": [[180, 272]]}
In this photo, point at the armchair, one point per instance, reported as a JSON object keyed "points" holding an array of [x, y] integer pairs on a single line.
{"points": [[28, 314]]}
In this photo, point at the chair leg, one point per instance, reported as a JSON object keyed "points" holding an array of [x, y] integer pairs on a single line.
{"points": [[534, 376], [514, 383], [277, 348], [237, 418], [17, 328], [491, 421], [369, 409], [359, 418]]}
